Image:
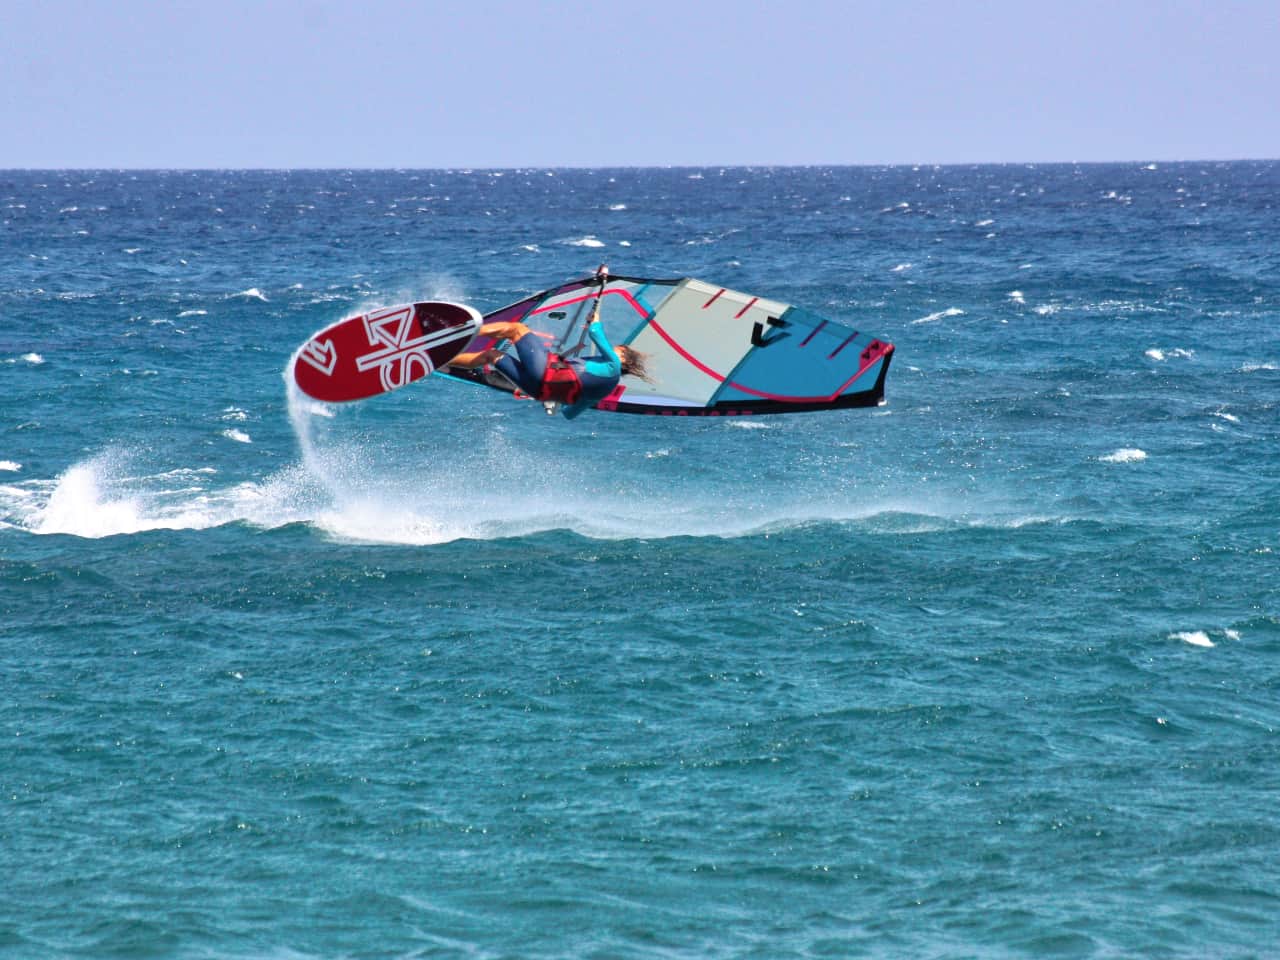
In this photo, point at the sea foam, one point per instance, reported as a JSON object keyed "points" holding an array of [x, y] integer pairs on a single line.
{"points": [[1125, 455], [81, 505], [104, 496], [1159, 355], [949, 312]]}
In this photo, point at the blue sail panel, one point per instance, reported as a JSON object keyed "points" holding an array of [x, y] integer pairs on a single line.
{"points": [[804, 359]]}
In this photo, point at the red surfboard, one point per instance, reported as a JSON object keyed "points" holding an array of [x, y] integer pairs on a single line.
{"points": [[384, 350]]}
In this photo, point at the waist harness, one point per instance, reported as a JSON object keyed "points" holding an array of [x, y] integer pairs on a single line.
{"points": [[560, 384]]}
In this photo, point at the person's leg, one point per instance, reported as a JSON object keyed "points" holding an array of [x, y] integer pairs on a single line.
{"points": [[510, 368], [528, 367], [532, 352]]}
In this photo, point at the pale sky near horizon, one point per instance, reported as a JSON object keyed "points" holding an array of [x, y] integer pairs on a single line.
{"points": [[497, 83]]}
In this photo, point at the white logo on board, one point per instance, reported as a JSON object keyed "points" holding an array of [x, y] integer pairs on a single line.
{"points": [[401, 357], [321, 355]]}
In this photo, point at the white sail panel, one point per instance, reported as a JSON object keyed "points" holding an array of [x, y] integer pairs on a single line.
{"points": [[695, 340]]}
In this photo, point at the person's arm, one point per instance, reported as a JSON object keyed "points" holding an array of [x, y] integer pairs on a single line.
{"points": [[607, 355], [477, 358]]}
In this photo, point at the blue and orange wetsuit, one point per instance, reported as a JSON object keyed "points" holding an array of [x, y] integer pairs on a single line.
{"points": [[597, 375]]}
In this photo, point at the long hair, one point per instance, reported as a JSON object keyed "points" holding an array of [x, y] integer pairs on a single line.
{"points": [[634, 364]]}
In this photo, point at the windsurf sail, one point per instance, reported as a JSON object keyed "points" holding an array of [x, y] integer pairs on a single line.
{"points": [[710, 351]]}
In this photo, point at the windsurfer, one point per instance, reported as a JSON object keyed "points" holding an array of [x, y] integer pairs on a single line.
{"points": [[575, 383]]}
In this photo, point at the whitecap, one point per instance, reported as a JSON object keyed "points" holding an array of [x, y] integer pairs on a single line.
{"points": [[11, 466], [193, 313], [1125, 455], [234, 413], [237, 435], [589, 241], [624, 243], [949, 312], [32, 358], [1155, 353], [749, 425], [1047, 309], [531, 247], [132, 250], [984, 223], [1231, 634], [367, 522], [1229, 417], [1017, 296], [183, 472], [617, 206], [253, 293], [1196, 638], [902, 267], [1255, 367]]}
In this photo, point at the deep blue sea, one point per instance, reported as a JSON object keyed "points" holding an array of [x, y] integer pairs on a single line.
{"points": [[992, 670]]}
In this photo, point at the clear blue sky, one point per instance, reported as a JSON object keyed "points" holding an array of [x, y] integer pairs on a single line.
{"points": [[314, 83]]}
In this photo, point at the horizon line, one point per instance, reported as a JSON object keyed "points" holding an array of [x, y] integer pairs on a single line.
{"points": [[454, 168]]}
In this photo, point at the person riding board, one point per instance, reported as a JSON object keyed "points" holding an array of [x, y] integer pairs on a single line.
{"points": [[572, 382]]}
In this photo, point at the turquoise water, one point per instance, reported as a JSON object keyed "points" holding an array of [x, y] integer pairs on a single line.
{"points": [[992, 670]]}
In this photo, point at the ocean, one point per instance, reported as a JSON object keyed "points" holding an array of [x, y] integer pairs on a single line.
{"points": [[991, 670]]}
